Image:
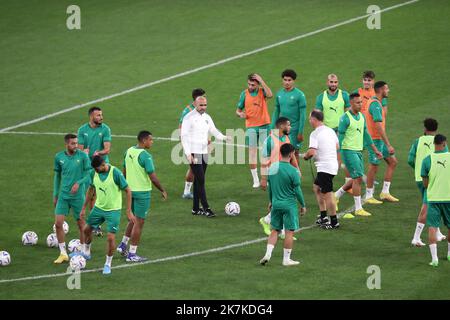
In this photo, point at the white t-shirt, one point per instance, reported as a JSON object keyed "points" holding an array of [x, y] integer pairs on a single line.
{"points": [[324, 140]]}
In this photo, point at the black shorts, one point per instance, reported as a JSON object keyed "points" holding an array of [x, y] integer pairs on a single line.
{"points": [[324, 181]]}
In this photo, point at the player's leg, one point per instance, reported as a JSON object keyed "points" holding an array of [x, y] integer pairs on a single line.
{"points": [[322, 218], [326, 192], [433, 222], [112, 219], [276, 222], [391, 165], [189, 180], [251, 140], [265, 223], [77, 205], [374, 163], [141, 208], [122, 248], [290, 221], [61, 210], [94, 220], [196, 168], [422, 218], [357, 175]]}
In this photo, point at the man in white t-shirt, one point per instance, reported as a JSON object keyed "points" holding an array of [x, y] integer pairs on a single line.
{"points": [[323, 146]]}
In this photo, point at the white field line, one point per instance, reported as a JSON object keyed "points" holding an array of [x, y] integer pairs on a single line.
{"points": [[214, 64], [124, 136], [172, 258]]}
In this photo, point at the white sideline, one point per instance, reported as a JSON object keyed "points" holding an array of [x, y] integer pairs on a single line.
{"points": [[114, 136], [188, 72]]}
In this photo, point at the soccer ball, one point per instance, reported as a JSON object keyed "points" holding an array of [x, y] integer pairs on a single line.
{"points": [[74, 245], [77, 263], [5, 258], [29, 238], [232, 209], [65, 228], [52, 240]]}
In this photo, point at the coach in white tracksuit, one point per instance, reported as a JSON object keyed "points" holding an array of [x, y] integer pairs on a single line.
{"points": [[195, 128], [323, 146]]}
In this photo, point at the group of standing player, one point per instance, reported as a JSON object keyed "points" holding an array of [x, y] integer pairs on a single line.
{"points": [[84, 177]]}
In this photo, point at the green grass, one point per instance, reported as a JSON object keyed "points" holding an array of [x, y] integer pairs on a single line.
{"points": [[122, 44]]}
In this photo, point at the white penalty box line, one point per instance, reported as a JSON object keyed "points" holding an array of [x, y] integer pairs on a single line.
{"points": [[191, 71]]}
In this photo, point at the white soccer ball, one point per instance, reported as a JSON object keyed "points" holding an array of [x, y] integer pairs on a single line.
{"points": [[65, 228], [52, 240], [77, 263], [5, 258], [74, 245], [232, 209], [29, 238]]}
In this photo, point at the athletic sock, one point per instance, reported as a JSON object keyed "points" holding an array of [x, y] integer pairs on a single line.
{"points": [[62, 248], [267, 218], [125, 239], [269, 250], [334, 220], [286, 254], [187, 187], [386, 185], [339, 193], [418, 232], [87, 249], [255, 175], [133, 249], [358, 204], [108, 260], [369, 193], [323, 214], [433, 250]]}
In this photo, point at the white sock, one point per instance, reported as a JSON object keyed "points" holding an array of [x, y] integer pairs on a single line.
{"points": [[286, 254], [133, 249], [433, 250], [108, 260], [369, 193], [269, 250], [87, 249], [267, 218], [438, 233], [255, 175], [62, 248], [418, 232], [125, 239], [386, 185], [187, 187], [358, 204], [339, 193]]}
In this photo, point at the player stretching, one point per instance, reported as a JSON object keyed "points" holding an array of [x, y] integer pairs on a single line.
{"points": [[435, 173], [352, 135], [422, 147], [290, 102], [252, 107], [284, 192], [140, 174], [189, 180], [106, 183], [71, 175], [376, 124]]}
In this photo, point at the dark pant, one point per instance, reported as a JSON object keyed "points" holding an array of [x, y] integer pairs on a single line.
{"points": [[199, 171]]}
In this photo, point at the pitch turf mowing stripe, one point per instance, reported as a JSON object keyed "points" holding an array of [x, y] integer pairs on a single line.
{"points": [[188, 72]]}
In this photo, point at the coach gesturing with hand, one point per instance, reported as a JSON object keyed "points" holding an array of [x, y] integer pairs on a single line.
{"points": [[196, 127]]}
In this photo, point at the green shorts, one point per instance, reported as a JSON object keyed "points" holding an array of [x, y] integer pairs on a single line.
{"points": [[354, 163], [255, 136], [140, 207], [287, 217], [381, 146], [63, 207], [98, 216], [435, 211], [293, 138], [423, 191]]}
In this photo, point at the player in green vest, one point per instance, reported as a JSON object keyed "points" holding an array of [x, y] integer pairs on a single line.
{"points": [[353, 135], [94, 138], [72, 169], [189, 179], [333, 102], [106, 184], [422, 147], [139, 171], [435, 174], [290, 102], [284, 191]]}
